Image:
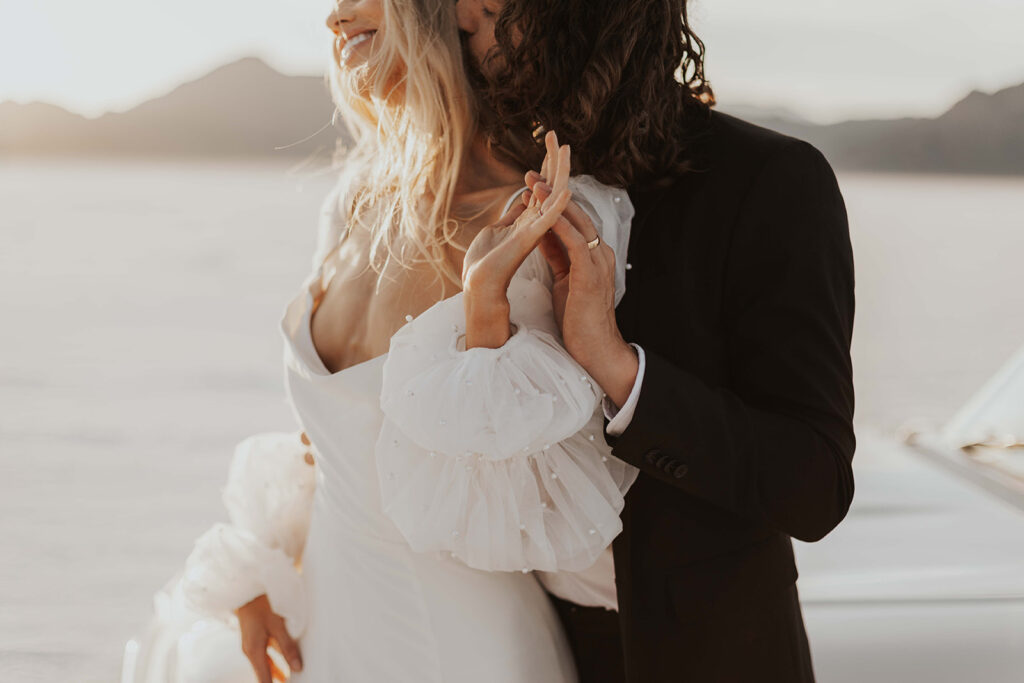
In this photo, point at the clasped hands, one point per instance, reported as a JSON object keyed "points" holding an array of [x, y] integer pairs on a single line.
{"points": [[583, 290]]}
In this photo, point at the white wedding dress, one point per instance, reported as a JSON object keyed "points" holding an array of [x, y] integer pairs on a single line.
{"points": [[443, 479]]}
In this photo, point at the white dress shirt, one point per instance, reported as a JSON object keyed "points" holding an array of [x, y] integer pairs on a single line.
{"points": [[619, 418]]}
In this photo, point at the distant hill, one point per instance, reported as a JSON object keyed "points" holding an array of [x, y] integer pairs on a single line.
{"points": [[979, 134], [246, 108]]}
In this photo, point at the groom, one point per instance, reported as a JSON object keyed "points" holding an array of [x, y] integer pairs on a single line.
{"points": [[726, 366]]}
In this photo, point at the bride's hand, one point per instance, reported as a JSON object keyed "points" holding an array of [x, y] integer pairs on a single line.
{"points": [[498, 250], [262, 627], [550, 244]]}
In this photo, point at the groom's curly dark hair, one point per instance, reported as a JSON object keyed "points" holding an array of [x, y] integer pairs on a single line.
{"points": [[622, 81]]}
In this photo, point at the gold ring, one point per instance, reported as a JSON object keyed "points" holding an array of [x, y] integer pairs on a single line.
{"points": [[594, 242]]}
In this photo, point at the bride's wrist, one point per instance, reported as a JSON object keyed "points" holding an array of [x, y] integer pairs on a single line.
{"points": [[487, 320]]}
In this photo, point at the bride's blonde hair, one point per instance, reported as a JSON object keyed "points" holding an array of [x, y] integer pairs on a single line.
{"points": [[410, 114]]}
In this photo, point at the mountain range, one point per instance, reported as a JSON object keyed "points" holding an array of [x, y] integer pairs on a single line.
{"points": [[248, 109], [241, 109], [982, 133]]}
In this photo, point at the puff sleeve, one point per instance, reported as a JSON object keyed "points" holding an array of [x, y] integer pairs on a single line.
{"points": [[268, 497], [496, 455]]}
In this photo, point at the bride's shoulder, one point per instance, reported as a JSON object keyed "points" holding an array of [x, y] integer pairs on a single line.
{"points": [[335, 211], [331, 221], [608, 207], [610, 210], [591, 187]]}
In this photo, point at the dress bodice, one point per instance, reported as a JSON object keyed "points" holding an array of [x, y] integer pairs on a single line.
{"points": [[340, 412]]}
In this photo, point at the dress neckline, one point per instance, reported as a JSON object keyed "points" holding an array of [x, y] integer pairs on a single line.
{"points": [[315, 362], [306, 330]]}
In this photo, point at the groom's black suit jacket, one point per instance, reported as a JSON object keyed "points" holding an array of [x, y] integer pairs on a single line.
{"points": [[741, 292]]}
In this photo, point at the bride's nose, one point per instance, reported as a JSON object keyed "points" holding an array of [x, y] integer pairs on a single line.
{"points": [[341, 14]]}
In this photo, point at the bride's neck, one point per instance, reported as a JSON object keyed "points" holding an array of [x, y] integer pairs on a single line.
{"points": [[481, 171]]}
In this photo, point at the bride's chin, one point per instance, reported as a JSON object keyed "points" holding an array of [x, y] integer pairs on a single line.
{"points": [[363, 84]]}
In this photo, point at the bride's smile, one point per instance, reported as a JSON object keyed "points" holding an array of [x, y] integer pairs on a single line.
{"points": [[350, 44], [355, 26]]}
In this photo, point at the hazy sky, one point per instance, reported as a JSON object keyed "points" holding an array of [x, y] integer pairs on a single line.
{"points": [[824, 59]]}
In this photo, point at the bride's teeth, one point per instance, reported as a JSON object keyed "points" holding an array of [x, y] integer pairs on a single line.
{"points": [[354, 43]]}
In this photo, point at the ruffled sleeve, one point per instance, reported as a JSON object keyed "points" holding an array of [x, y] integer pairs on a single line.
{"points": [[497, 455], [268, 497]]}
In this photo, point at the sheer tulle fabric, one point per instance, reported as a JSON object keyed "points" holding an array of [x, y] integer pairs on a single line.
{"points": [[268, 497], [496, 455]]}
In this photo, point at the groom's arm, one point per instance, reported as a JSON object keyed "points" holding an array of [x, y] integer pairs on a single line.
{"points": [[618, 418], [776, 446]]}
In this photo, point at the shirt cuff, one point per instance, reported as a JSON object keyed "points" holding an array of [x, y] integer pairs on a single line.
{"points": [[619, 418]]}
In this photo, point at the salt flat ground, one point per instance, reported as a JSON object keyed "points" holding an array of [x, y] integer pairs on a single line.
{"points": [[140, 304]]}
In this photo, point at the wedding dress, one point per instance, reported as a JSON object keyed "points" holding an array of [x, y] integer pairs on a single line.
{"points": [[443, 478]]}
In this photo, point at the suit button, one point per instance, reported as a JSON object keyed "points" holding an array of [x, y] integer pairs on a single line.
{"points": [[681, 470], [651, 456]]}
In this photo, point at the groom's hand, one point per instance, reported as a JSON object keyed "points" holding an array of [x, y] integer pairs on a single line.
{"points": [[583, 297]]}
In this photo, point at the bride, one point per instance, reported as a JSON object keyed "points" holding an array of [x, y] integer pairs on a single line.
{"points": [[450, 464]]}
